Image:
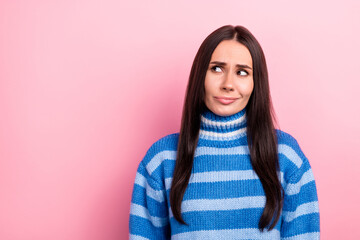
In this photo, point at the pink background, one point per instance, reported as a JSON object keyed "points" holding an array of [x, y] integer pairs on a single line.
{"points": [[87, 86]]}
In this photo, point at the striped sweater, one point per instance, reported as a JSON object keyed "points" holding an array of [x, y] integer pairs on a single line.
{"points": [[224, 198]]}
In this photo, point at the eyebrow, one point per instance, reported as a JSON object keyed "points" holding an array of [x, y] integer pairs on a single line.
{"points": [[224, 64]]}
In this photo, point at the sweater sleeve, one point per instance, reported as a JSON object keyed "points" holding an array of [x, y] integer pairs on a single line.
{"points": [[148, 210], [300, 215]]}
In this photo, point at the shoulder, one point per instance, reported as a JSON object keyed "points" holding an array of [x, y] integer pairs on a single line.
{"points": [[163, 148], [165, 143], [288, 142], [292, 159], [286, 138]]}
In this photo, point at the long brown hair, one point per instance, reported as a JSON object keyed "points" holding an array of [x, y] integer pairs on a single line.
{"points": [[261, 133]]}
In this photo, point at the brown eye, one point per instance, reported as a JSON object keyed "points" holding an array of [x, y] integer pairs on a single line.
{"points": [[246, 73], [216, 69]]}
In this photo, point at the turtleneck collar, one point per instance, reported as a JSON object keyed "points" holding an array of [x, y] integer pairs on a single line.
{"points": [[222, 128]]}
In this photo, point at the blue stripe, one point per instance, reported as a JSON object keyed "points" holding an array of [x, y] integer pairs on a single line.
{"points": [[217, 119], [291, 154], [218, 190], [206, 163], [168, 142], [143, 227], [303, 209], [224, 198], [306, 194], [294, 188], [142, 171], [222, 144], [224, 179], [304, 224], [143, 212], [140, 197], [141, 181], [287, 139], [158, 158], [213, 128]]}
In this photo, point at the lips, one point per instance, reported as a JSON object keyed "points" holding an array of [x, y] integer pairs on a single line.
{"points": [[226, 100]]}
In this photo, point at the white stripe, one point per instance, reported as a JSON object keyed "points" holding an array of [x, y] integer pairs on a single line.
{"points": [[244, 149], [305, 236], [221, 204], [223, 124], [294, 188], [290, 154], [140, 211], [157, 195], [240, 150], [228, 234], [220, 176], [136, 237], [168, 182], [303, 209], [222, 135], [224, 176], [156, 161]]}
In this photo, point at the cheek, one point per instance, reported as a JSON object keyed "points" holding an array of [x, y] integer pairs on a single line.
{"points": [[251, 88], [209, 87], [246, 88]]}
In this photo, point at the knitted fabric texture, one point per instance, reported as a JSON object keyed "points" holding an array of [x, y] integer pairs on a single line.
{"points": [[224, 198]]}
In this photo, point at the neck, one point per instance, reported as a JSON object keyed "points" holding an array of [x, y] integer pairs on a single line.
{"points": [[222, 128]]}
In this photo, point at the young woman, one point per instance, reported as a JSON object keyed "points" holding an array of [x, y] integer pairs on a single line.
{"points": [[229, 173]]}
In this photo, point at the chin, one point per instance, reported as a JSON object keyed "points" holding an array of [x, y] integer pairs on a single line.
{"points": [[225, 112]]}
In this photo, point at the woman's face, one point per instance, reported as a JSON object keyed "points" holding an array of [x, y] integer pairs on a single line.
{"points": [[229, 75]]}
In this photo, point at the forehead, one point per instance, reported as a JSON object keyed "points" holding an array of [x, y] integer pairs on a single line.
{"points": [[232, 52]]}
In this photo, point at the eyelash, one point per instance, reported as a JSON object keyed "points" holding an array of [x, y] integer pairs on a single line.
{"points": [[213, 68]]}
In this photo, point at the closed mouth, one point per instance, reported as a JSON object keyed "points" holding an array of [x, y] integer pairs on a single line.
{"points": [[227, 98]]}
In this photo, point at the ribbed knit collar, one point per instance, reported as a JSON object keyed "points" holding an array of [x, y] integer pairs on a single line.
{"points": [[222, 128]]}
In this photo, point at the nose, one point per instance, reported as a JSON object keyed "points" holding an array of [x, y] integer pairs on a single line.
{"points": [[227, 83]]}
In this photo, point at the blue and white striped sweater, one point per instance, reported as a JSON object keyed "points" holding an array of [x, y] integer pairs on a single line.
{"points": [[224, 198]]}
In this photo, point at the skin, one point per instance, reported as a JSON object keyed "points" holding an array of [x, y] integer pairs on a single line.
{"points": [[229, 80]]}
